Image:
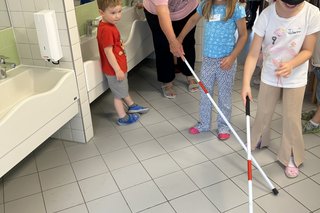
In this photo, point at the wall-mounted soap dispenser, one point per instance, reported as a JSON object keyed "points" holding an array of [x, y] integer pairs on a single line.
{"points": [[48, 35]]}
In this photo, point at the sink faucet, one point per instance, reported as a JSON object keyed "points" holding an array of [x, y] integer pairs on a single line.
{"points": [[3, 68], [3, 73], [91, 23]]}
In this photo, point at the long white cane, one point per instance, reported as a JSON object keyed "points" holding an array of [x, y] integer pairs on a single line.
{"points": [[250, 202], [274, 190]]}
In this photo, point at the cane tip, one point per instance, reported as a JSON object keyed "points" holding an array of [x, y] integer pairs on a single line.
{"points": [[275, 191]]}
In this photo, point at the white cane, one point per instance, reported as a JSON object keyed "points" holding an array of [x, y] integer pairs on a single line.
{"points": [[274, 190], [250, 202]]}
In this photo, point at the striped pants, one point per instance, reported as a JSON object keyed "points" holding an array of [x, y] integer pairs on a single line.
{"points": [[211, 73]]}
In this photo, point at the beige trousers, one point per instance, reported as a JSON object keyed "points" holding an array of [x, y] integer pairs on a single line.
{"points": [[291, 140]]}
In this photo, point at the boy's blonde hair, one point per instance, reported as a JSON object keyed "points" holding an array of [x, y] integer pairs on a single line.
{"points": [[104, 4], [207, 7]]}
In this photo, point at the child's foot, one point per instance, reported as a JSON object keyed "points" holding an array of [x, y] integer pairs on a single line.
{"points": [[291, 169], [310, 127], [128, 119], [194, 131], [223, 136], [134, 108]]}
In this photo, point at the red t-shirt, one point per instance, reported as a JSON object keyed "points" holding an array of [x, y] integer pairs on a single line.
{"points": [[109, 35]]}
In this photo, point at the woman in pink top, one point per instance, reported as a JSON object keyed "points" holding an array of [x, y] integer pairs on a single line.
{"points": [[166, 19]]}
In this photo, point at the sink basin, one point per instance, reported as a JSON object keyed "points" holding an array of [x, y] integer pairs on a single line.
{"points": [[23, 82], [34, 103]]}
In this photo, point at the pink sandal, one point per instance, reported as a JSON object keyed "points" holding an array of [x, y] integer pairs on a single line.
{"points": [[194, 131], [291, 172]]}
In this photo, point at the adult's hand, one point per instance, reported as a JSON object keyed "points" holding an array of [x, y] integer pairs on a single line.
{"points": [[176, 48]]}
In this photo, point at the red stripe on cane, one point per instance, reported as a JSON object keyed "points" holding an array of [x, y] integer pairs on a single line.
{"points": [[203, 87], [249, 170]]}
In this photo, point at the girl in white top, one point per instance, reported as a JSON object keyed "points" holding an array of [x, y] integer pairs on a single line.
{"points": [[286, 31]]}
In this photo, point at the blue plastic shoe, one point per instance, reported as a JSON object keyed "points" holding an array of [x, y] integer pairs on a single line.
{"points": [[138, 109], [132, 119]]}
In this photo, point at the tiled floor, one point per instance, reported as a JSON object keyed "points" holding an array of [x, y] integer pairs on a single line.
{"points": [[156, 166]]}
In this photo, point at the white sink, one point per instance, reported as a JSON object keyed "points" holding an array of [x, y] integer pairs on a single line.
{"points": [[34, 103]]}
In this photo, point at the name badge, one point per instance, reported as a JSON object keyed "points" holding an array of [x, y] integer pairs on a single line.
{"points": [[215, 17]]}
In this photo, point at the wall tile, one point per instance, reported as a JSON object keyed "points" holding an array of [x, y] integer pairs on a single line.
{"points": [[35, 51], [78, 65], [78, 136], [17, 19], [41, 5], [61, 21], [69, 5], [28, 5], [21, 35], [24, 50], [27, 61], [40, 62], [32, 36], [56, 5], [71, 19], [76, 51], [29, 19], [66, 65], [64, 37], [66, 51], [89, 134], [76, 123], [74, 35], [81, 81], [5, 21], [14, 5]]}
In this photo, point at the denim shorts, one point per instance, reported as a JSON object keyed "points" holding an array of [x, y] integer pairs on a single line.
{"points": [[316, 71]]}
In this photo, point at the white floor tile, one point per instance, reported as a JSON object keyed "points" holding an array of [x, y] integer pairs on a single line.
{"points": [[310, 165], [306, 187], [275, 172], [231, 165], [111, 203], [1, 192], [77, 209], [162, 208], [175, 185], [311, 140], [315, 178], [143, 196], [161, 129], [245, 208], [136, 136], [48, 160], [160, 165], [173, 142], [191, 107], [152, 117], [147, 150], [62, 197], [31, 204], [315, 150], [214, 148], [1, 208], [89, 167], [260, 186], [130, 176], [188, 156], [161, 103], [183, 122], [97, 186], [50, 144], [203, 136], [21, 187], [109, 143], [225, 195], [82, 151], [121, 158], [283, 202], [205, 174], [262, 156], [193, 202], [55, 177], [172, 112], [184, 98]]}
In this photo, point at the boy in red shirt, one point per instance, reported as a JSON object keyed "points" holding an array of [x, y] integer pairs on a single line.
{"points": [[114, 62]]}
